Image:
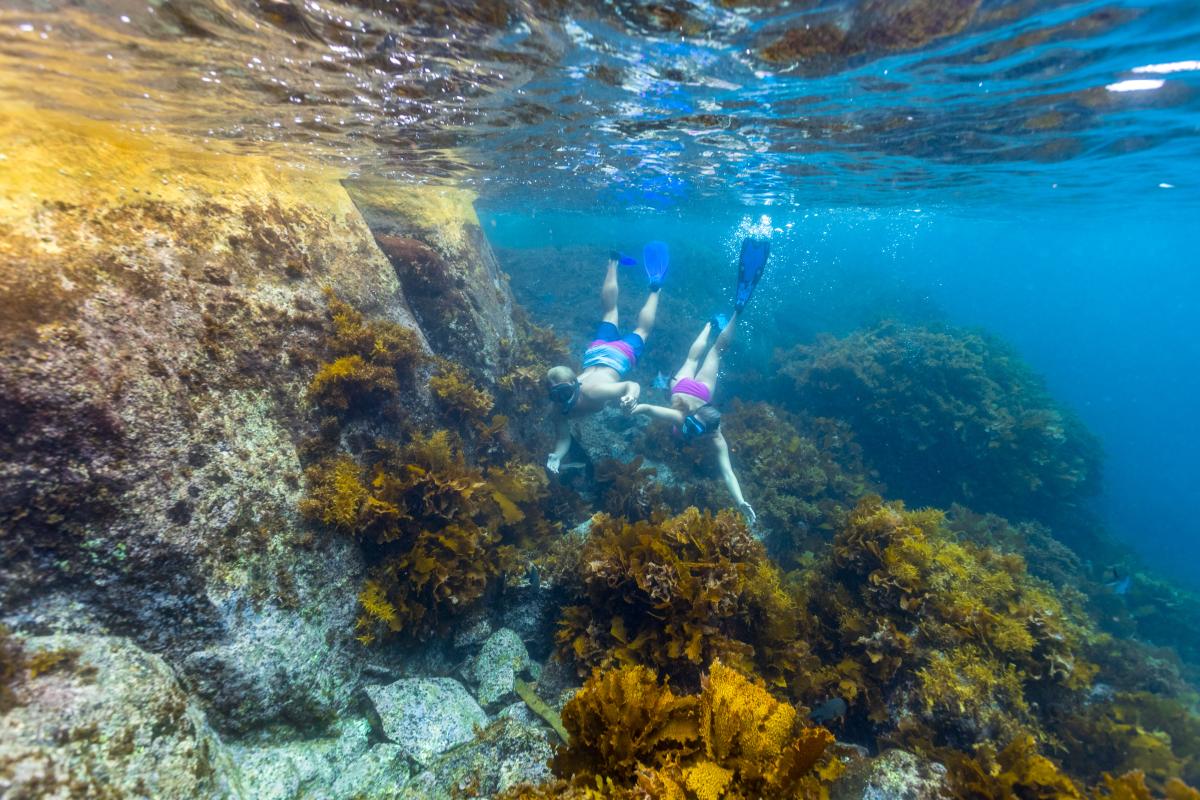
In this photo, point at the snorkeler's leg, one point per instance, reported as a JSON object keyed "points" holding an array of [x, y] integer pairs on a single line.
{"points": [[645, 322], [712, 362], [608, 293], [688, 370]]}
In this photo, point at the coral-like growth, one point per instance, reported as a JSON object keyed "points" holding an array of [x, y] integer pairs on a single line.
{"points": [[435, 529], [367, 358], [632, 737], [677, 594], [948, 416], [958, 636]]}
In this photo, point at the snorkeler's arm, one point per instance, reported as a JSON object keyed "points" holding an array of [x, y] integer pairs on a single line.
{"points": [[659, 413], [731, 481], [562, 443], [627, 391]]}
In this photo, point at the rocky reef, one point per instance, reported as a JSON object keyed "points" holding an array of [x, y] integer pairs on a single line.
{"points": [[274, 524]]}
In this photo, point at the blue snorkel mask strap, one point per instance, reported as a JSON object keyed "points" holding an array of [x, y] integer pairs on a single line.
{"points": [[693, 427]]}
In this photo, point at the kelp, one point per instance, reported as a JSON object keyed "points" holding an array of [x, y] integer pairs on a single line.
{"points": [[677, 593], [948, 416], [436, 530], [958, 636], [369, 357], [632, 736]]}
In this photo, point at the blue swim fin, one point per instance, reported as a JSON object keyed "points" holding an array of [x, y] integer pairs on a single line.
{"points": [[656, 258], [622, 259], [755, 250]]}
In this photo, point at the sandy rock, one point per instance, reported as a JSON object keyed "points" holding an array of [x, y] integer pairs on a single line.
{"points": [[495, 669], [427, 716], [109, 719]]}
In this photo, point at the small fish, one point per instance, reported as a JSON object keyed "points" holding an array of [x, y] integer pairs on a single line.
{"points": [[833, 708], [535, 580], [661, 381]]}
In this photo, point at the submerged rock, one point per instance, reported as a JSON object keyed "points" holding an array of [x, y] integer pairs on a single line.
{"points": [[507, 752], [340, 767], [893, 774], [495, 669], [164, 314], [101, 717], [427, 716]]}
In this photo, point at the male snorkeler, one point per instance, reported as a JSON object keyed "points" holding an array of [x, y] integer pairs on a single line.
{"points": [[608, 359], [692, 412]]}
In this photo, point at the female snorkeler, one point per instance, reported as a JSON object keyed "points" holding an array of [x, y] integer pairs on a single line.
{"points": [[692, 411]]}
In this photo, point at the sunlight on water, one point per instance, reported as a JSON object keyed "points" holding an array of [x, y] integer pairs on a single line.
{"points": [[647, 105]]}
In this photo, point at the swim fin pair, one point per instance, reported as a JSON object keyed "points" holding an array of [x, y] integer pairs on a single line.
{"points": [[755, 250], [656, 258]]}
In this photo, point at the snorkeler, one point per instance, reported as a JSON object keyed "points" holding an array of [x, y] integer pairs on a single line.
{"points": [[608, 359], [692, 411]]}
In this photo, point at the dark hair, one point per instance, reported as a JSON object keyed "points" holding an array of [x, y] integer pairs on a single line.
{"points": [[703, 421]]}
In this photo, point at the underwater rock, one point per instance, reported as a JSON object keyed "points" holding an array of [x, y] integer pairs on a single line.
{"points": [[893, 774], [339, 767], [165, 310], [495, 669], [432, 237], [507, 752], [427, 716], [103, 718], [275, 667]]}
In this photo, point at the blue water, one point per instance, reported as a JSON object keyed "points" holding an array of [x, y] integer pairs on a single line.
{"points": [[1104, 305]]}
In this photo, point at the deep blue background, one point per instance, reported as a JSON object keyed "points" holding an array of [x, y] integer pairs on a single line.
{"points": [[1104, 303]]}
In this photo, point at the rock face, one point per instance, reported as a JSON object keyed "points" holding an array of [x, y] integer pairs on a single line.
{"points": [[427, 716], [163, 312], [104, 718], [445, 267]]}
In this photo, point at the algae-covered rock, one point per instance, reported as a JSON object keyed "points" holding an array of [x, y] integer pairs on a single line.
{"points": [[495, 669], [893, 774], [427, 716], [165, 309], [432, 237], [99, 717]]}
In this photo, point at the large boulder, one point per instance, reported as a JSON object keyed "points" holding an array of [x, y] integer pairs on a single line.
{"points": [[101, 718], [427, 716]]}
